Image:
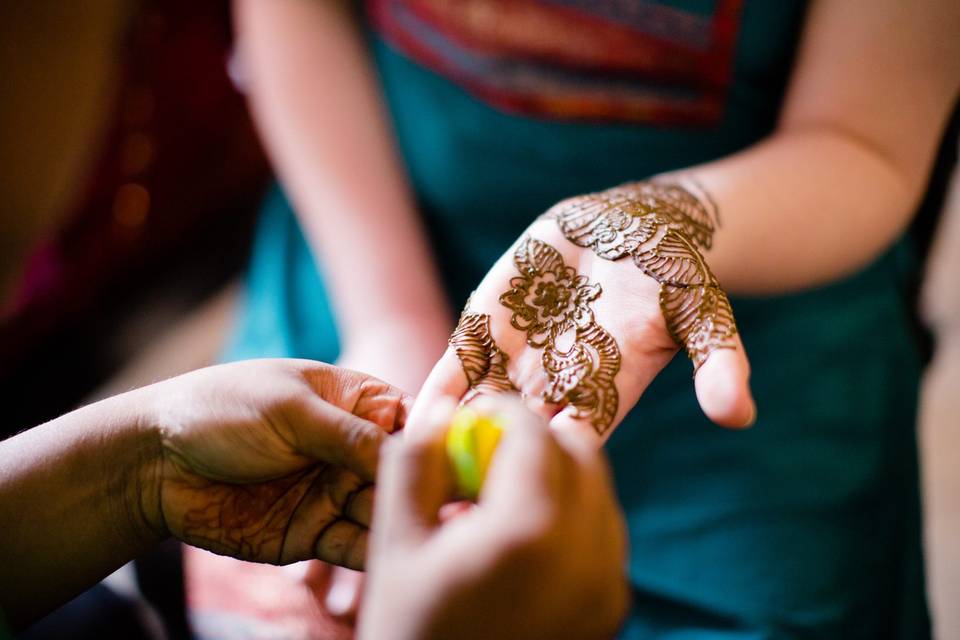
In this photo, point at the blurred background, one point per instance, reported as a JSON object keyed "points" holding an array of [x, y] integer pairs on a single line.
{"points": [[131, 175]]}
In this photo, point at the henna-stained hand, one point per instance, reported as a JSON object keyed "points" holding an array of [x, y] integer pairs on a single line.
{"points": [[549, 302], [271, 460], [484, 364], [660, 226], [581, 330]]}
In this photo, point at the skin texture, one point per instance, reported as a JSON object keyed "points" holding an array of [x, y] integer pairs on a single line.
{"points": [[502, 569], [567, 362], [266, 460], [329, 147]]}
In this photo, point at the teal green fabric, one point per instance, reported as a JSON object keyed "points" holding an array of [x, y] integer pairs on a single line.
{"points": [[806, 526]]}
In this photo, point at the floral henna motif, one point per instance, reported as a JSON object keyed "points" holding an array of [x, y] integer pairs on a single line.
{"points": [[662, 227], [484, 364], [550, 300]]}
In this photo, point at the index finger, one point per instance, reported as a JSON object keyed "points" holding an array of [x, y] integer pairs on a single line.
{"points": [[328, 433], [530, 471]]}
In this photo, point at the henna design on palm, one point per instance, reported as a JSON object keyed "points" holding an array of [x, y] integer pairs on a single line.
{"points": [[662, 227], [483, 362], [550, 301]]}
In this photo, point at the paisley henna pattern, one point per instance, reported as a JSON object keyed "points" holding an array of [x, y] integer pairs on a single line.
{"points": [[484, 364], [662, 227], [583, 376], [549, 301]]}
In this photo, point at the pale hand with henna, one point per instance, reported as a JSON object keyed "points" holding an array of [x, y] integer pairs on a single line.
{"points": [[592, 302]]}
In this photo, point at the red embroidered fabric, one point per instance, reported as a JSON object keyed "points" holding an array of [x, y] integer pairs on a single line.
{"points": [[636, 61]]}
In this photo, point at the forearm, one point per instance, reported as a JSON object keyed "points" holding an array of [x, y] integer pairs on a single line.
{"points": [[71, 504], [316, 102], [873, 85], [803, 208]]}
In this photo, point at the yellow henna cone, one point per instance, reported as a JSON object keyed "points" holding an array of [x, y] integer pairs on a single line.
{"points": [[471, 442]]}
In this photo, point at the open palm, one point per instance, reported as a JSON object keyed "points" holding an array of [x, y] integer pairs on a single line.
{"points": [[590, 304]]}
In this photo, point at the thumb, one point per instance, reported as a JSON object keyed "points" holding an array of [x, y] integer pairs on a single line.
{"points": [[415, 481], [328, 433], [530, 469], [723, 388]]}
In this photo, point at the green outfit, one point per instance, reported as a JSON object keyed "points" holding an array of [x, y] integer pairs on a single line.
{"points": [[806, 525]]}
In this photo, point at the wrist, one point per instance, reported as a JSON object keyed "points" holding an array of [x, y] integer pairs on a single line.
{"points": [[142, 468]]}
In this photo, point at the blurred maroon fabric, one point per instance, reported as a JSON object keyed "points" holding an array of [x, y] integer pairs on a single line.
{"points": [[179, 157]]}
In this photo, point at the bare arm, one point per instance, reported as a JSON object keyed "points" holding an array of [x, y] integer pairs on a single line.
{"points": [[315, 99], [263, 460], [69, 494], [842, 175]]}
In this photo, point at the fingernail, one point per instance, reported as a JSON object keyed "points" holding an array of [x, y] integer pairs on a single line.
{"points": [[339, 598]]}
